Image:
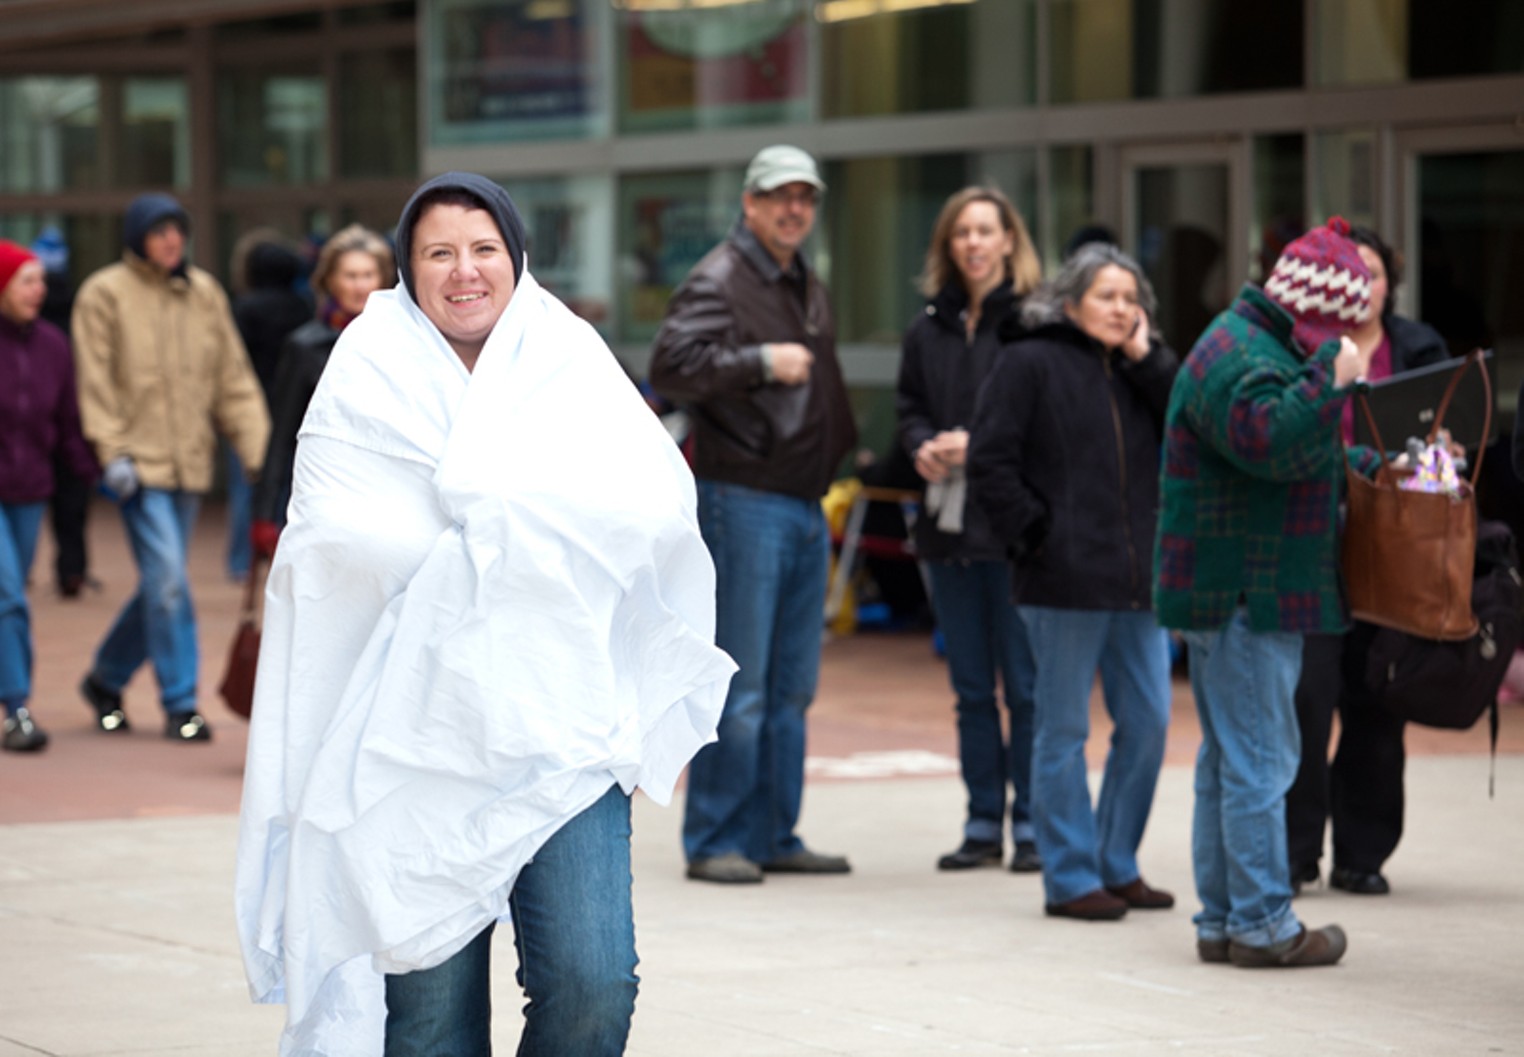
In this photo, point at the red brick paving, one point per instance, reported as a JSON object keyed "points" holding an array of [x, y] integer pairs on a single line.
{"points": [[879, 692]]}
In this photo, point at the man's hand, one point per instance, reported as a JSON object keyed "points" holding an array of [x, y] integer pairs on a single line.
{"points": [[263, 536], [790, 362], [121, 478]]}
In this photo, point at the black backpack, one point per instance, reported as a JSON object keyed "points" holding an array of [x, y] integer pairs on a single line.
{"points": [[1450, 684]]}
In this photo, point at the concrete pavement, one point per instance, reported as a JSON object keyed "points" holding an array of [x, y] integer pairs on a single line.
{"points": [[116, 928]]}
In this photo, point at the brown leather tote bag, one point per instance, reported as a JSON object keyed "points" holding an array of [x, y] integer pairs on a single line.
{"points": [[1409, 556], [237, 687]]}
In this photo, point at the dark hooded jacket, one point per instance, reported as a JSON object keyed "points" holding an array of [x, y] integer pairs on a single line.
{"points": [[270, 309], [1064, 458]]}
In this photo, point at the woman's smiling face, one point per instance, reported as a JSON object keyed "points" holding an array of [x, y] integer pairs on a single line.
{"points": [[464, 275]]}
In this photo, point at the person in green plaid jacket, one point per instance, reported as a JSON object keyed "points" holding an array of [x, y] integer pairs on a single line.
{"points": [[1246, 562]]}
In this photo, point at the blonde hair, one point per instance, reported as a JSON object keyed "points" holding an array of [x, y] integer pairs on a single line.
{"points": [[355, 238], [1022, 266]]}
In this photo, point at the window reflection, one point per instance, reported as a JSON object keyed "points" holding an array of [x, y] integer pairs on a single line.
{"points": [[569, 253], [272, 128], [1147, 49], [1377, 41], [513, 69], [976, 54], [704, 68], [378, 114]]}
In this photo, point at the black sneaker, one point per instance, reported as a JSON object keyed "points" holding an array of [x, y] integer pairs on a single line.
{"points": [[107, 703], [1025, 858], [972, 854], [22, 734], [186, 726]]}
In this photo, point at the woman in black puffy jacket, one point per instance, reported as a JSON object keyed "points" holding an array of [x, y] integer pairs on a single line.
{"points": [[1065, 460], [978, 266]]}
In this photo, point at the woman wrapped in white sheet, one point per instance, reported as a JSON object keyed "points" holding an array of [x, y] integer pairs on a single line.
{"points": [[490, 618]]}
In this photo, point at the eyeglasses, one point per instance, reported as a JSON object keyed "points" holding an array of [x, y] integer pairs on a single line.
{"points": [[807, 197]]}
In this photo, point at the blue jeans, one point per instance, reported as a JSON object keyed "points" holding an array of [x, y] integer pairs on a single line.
{"points": [[1245, 685], [574, 929], [240, 518], [19, 524], [1084, 849], [984, 635], [158, 623], [770, 555]]}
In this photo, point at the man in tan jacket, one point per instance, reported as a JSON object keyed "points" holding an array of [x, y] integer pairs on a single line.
{"points": [[161, 371]]}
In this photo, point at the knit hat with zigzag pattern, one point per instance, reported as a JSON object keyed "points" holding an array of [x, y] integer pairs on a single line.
{"points": [[1321, 280]]}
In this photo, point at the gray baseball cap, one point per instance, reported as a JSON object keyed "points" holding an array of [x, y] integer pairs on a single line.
{"points": [[778, 165]]}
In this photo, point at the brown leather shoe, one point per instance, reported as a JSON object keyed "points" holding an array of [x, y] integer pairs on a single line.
{"points": [[1214, 952], [732, 868], [1099, 905], [1141, 897], [1323, 946]]}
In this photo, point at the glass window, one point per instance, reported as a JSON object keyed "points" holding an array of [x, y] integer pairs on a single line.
{"points": [[1344, 176], [879, 60], [1280, 201], [54, 133], [1371, 41], [272, 128], [302, 23], [512, 70], [877, 218], [706, 68], [1181, 238], [393, 12], [378, 113], [1149, 49], [155, 140], [667, 222], [1071, 203], [94, 240], [569, 250]]}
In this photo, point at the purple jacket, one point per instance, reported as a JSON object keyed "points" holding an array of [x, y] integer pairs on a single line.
{"points": [[39, 412]]}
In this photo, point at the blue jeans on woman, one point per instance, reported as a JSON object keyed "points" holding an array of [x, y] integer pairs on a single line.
{"points": [[574, 929], [1245, 686], [985, 635], [1084, 849], [158, 624], [19, 524], [770, 555]]}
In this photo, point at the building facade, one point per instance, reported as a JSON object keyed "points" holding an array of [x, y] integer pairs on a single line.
{"points": [[1203, 133]]}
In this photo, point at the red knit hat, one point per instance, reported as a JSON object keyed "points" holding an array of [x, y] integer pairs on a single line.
{"points": [[1321, 280], [12, 257]]}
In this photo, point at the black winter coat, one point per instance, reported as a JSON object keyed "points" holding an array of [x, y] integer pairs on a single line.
{"points": [[270, 310], [1065, 459], [301, 364], [941, 371]]}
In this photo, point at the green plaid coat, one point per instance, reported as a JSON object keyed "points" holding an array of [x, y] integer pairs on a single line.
{"points": [[1253, 468]]}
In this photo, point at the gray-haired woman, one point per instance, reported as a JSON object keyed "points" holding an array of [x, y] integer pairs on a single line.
{"points": [[1065, 460]]}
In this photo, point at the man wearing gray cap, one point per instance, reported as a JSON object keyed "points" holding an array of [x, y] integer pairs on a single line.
{"points": [[749, 345]]}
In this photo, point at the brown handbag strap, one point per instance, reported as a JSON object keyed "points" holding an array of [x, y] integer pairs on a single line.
{"points": [[251, 588], [1477, 357]]}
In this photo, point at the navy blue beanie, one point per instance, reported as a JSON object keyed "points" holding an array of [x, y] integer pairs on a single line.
{"points": [[147, 211], [493, 199]]}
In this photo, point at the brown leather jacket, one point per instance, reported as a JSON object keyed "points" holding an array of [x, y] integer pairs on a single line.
{"points": [[708, 355]]}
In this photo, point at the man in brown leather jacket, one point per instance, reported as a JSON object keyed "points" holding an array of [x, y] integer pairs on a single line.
{"points": [[749, 345]]}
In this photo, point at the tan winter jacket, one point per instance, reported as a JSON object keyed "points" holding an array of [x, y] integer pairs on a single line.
{"points": [[161, 370]]}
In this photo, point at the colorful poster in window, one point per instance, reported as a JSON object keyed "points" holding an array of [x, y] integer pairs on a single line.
{"points": [[695, 68], [669, 223], [511, 69]]}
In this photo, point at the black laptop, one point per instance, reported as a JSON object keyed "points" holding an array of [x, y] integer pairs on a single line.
{"points": [[1405, 405]]}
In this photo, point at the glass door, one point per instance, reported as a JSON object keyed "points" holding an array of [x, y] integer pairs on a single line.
{"points": [[1185, 218]]}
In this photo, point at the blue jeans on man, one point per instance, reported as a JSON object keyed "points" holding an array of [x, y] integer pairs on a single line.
{"points": [[771, 553], [1083, 848], [574, 930], [158, 624], [985, 635], [19, 525], [1245, 687]]}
